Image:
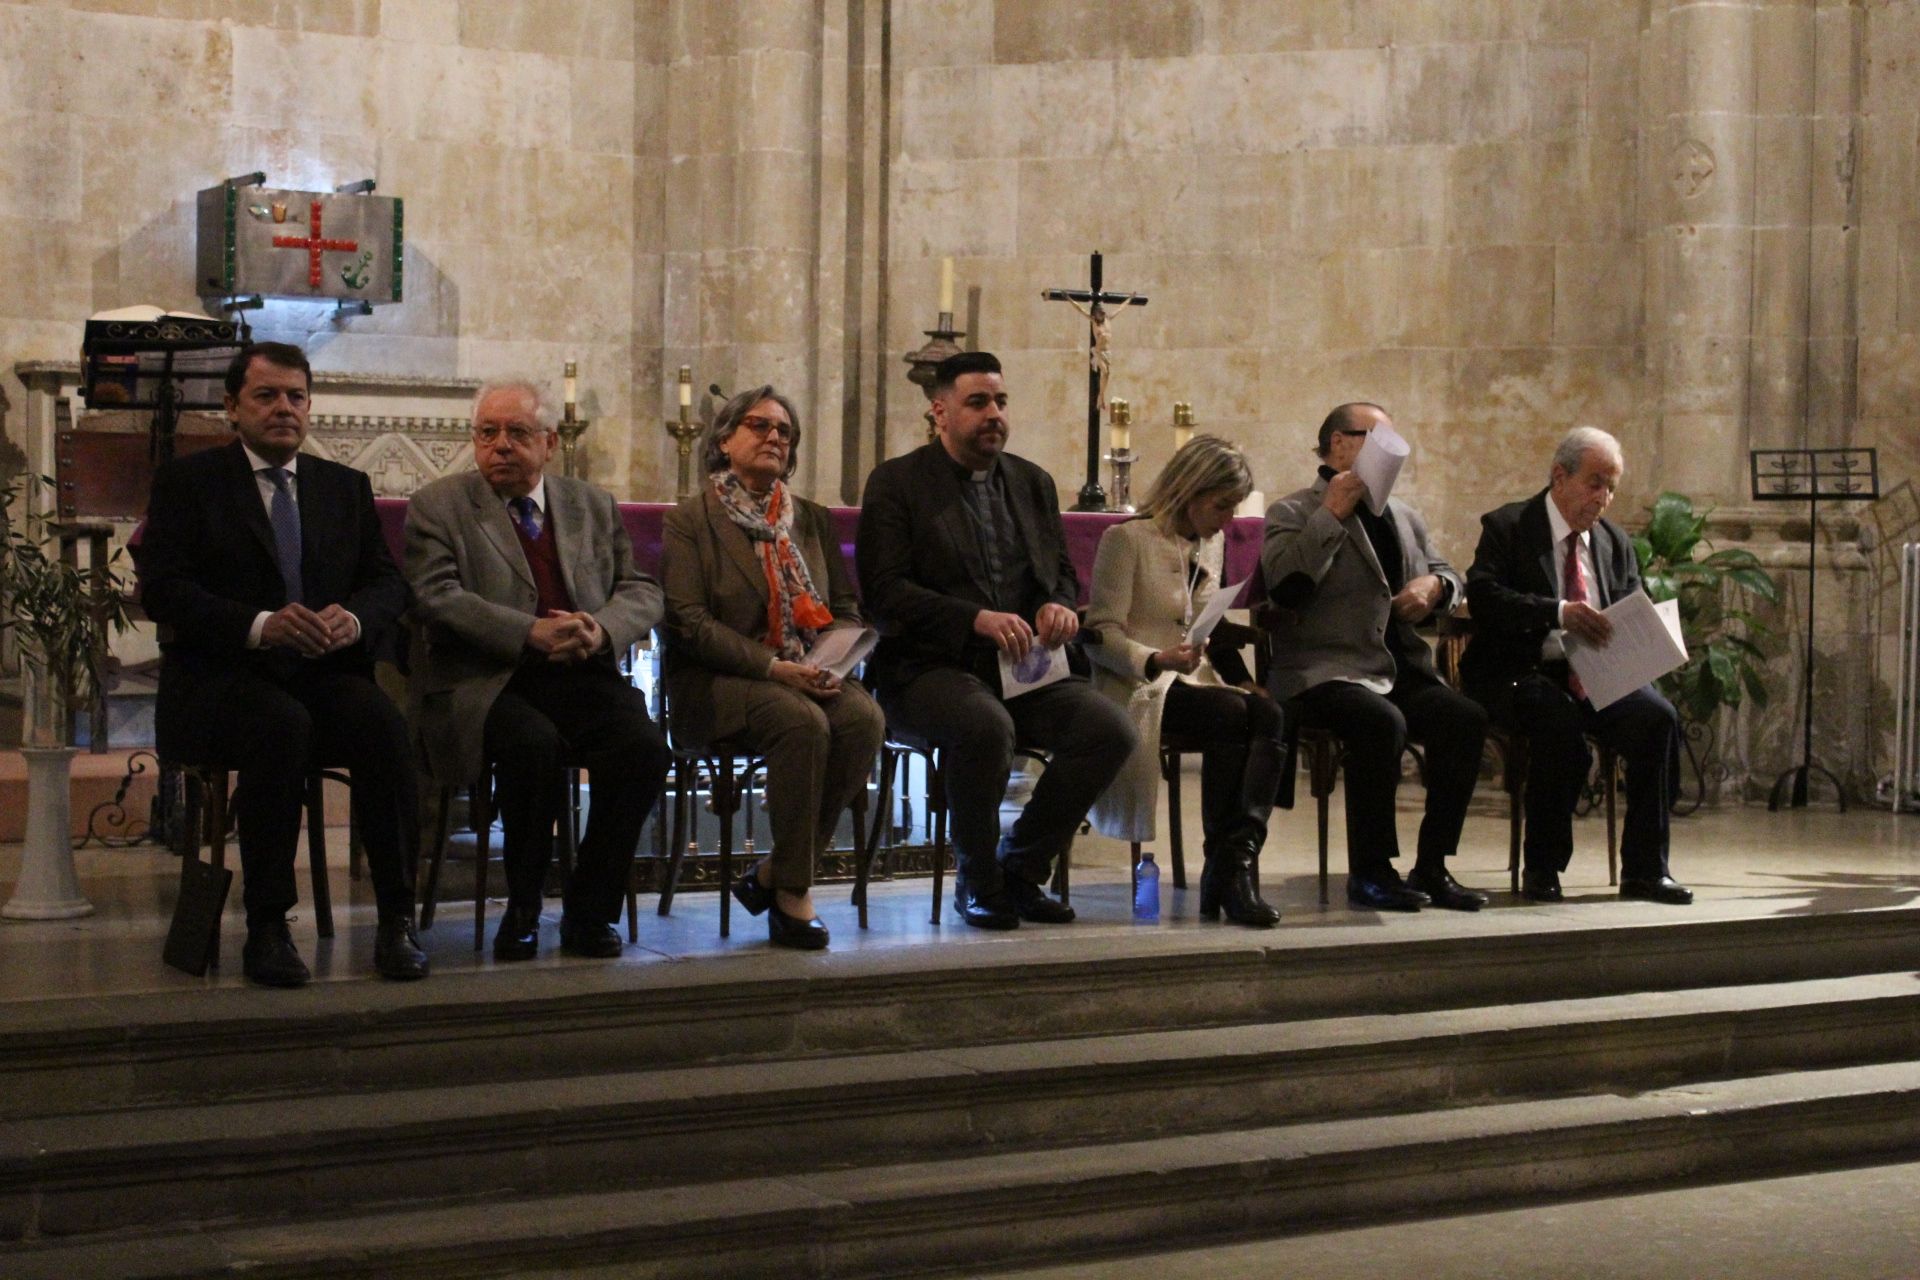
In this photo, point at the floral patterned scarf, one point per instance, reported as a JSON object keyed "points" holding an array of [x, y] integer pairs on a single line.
{"points": [[794, 612]]}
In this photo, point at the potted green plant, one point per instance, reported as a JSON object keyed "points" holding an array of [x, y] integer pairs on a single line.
{"points": [[1715, 589], [60, 618]]}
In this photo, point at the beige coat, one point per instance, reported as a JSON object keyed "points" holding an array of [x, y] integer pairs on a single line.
{"points": [[1140, 607]]}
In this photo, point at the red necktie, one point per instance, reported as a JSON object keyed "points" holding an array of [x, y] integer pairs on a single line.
{"points": [[1575, 577]]}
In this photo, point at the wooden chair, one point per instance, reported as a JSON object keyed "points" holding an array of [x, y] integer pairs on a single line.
{"points": [[207, 793], [480, 803]]}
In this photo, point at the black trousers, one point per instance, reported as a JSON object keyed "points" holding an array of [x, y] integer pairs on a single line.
{"points": [[274, 730], [1240, 769], [551, 715], [1375, 730], [1087, 738], [1642, 728]]}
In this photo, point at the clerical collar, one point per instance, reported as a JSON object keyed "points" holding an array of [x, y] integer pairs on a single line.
{"points": [[257, 463], [968, 473]]}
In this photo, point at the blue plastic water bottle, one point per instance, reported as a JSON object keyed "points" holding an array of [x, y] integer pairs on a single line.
{"points": [[1146, 889]]}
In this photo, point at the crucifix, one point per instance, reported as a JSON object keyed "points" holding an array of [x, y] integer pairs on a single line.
{"points": [[1092, 303]]}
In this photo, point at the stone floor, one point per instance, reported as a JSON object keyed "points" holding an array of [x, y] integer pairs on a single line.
{"points": [[1856, 1223], [1741, 863]]}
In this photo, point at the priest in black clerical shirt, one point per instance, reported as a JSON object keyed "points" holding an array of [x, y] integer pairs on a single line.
{"points": [[1348, 586], [962, 559]]}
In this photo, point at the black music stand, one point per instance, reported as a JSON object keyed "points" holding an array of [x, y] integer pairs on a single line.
{"points": [[1790, 475], [165, 364]]}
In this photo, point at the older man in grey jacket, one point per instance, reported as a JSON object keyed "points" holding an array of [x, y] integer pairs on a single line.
{"points": [[528, 589], [1348, 587]]}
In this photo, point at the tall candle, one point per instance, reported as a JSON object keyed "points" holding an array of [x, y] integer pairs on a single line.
{"points": [[572, 382], [1121, 418], [686, 385], [1182, 425], [946, 285]]}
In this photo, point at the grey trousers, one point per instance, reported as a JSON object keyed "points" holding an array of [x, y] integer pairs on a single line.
{"points": [[1087, 739], [818, 755]]}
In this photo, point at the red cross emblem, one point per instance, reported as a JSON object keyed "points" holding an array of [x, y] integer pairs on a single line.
{"points": [[314, 244]]}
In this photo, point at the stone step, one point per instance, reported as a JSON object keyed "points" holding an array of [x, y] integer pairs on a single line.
{"points": [[103, 1054], [1026, 1207], [77, 1174]]}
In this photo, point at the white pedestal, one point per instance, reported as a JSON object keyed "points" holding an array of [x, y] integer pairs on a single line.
{"points": [[48, 888]]}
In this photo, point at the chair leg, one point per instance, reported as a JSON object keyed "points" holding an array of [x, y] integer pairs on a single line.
{"points": [[1170, 772], [937, 811], [862, 860], [215, 785], [317, 852], [671, 882], [1611, 763], [442, 831], [725, 803], [481, 805], [871, 853]]}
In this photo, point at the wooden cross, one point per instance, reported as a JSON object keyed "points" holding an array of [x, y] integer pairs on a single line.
{"points": [[314, 244], [1093, 304]]}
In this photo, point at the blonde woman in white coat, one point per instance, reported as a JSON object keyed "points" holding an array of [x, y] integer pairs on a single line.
{"points": [[1151, 578]]}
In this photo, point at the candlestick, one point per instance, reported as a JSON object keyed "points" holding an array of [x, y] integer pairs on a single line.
{"points": [[1182, 424], [572, 370], [946, 284], [684, 432], [1120, 420]]}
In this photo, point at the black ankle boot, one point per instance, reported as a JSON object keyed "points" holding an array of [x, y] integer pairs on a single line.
{"points": [[1236, 889]]}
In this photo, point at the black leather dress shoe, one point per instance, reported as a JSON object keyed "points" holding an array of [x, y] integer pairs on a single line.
{"points": [[1541, 886], [784, 930], [269, 958], [750, 893], [984, 910], [519, 936], [396, 948], [594, 939], [1382, 895], [1444, 891], [1030, 902], [1666, 889]]}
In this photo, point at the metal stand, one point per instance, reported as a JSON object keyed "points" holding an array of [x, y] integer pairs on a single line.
{"points": [[1788, 475], [1122, 462], [941, 343], [685, 431]]}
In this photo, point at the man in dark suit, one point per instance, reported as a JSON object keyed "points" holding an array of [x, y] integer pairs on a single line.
{"points": [[266, 571], [1347, 587], [527, 585], [962, 559], [1545, 568]]}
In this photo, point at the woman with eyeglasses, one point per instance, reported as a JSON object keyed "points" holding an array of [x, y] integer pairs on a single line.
{"points": [[753, 575], [1152, 576]]}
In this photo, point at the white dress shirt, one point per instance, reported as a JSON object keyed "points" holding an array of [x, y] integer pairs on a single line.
{"points": [[267, 488]]}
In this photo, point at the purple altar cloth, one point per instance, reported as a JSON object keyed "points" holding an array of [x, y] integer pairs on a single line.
{"points": [[643, 521]]}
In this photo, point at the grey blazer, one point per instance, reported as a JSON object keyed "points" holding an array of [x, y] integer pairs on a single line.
{"points": [[717, 608], [1332, 602], [475, 595]]}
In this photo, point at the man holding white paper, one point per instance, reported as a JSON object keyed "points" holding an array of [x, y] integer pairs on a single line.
{"points": [[963, 565], [1347, 587], [1545, 570]]}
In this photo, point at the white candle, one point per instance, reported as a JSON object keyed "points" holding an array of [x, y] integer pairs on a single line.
{"points": [[946, 285], [572, 386], [686, 385], [1121, 415]]}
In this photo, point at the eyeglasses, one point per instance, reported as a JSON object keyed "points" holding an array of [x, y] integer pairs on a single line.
{"points": [[519, 437], [1350, 431], [764, 427]]}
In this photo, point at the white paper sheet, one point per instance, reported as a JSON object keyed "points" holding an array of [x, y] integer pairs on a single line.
{"points": [[1646, 645], [1381, 456], [1210, 616], [1040, 668], [841, 649]]}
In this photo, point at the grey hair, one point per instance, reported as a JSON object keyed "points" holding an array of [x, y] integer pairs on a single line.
{"points": [[1575, 445], [727, 421], [545, 412]]}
